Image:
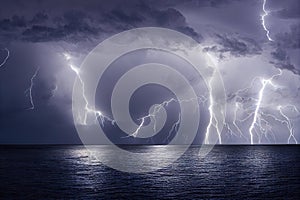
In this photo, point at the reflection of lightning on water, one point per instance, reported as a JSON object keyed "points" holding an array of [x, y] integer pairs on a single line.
{"points": [[6, 58], [263, 23], [28, 91]]}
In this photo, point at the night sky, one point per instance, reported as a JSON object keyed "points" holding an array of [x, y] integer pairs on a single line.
{"points": [[39, 39]]}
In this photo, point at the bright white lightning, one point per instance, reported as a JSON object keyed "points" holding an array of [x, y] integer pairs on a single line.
{"points": [[260, 120], [289, 123], [153, 114], [234, 122], [87, 108], [6, 58], [266, 13], [28, 91], [213, 122], [157, 108], [264, 83]]}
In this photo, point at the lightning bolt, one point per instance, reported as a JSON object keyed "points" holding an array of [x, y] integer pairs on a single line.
{"points": [[152, 115], [260, 120], [6, 58], [234, 123], [202, 99], [266, 13], [28, 91], [88, 110], [213, 122], [174, 127], [157, 108], [264, 83], [288, 122]]}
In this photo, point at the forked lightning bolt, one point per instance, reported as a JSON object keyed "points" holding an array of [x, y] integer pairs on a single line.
{"points": [[263, 23], [288, 122], [152, 115], [28, 91], [6, 58], [87, 108], [213, 122], [264, 83], [260, 120], [157, 108]]}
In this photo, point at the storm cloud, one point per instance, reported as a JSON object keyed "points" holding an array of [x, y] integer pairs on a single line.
{"points": [[39, 33]]}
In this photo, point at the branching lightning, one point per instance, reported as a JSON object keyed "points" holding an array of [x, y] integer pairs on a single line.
{"points": [[158, 107], [152, 115], [28, 91], [6, 58], [260, 124], [263, 23], [288, 122], [264, 83], [213, 122], [87, 108], [260, 121]]}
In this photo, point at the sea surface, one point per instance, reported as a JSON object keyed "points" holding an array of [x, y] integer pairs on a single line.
{"points": [[227, 172]]}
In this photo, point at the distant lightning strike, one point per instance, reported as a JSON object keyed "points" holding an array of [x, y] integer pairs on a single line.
{"points": [[266, 13], [174, 127], [88, 110], [6, 58], [289, 124], [28, 91], [156, 110], [234, 123], [260, 123], [152, 115], [264, 83], [213, 122]]}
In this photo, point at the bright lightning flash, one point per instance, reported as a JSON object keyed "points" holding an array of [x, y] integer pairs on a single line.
{"points": [[264, 83], [260, 121], [152, 115], [88, 110], [266, 13], [156, 110]]}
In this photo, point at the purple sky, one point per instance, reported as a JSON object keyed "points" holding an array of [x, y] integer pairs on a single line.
{"points": [[37, 34]]}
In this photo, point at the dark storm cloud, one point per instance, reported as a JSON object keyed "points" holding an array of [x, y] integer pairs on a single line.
{"points": [[288, 13], [38, 32], [282, 61], [39, 18], [235, 46], [75, 24], [287, 9], [285, 42], [291, 39]]}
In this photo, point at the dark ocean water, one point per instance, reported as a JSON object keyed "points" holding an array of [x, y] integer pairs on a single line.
{"points": [[227, 172]]}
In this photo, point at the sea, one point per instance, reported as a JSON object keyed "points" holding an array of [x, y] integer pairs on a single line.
{"points": [[227, 172]]}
